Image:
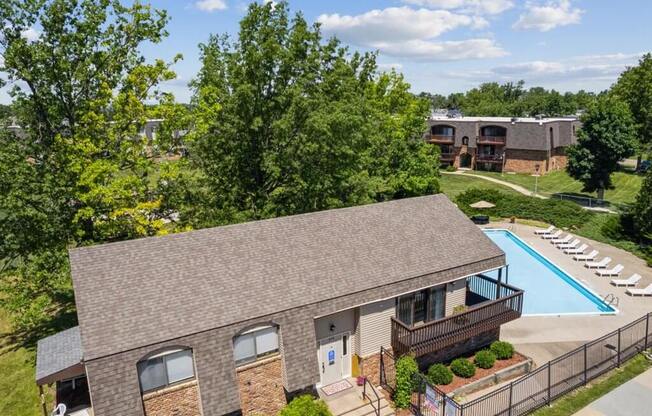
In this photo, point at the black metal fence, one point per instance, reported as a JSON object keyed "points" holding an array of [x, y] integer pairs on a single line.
{"points": [[537, 388]]}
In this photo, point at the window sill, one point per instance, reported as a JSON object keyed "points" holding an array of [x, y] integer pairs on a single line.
{"points": [[257, 363], [169, 389]]}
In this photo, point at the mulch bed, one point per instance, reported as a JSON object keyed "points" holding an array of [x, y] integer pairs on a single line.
{"points": [[481, 372]]}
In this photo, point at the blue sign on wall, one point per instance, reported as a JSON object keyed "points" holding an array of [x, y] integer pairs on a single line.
{"points": [[331, 357]]}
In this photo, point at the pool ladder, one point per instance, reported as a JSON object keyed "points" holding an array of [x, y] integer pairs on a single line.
{"points": [[611, 299]]}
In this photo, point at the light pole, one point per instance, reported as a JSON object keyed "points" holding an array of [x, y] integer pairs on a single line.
{"points": [[536, 178]]}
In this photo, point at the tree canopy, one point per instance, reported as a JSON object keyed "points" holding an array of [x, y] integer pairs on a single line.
{"points": [[606, 137]]}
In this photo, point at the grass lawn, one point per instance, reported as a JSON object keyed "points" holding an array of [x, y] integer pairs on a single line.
{"points": [[626, 184], [580, 398], [453, 185], [20, 396]]}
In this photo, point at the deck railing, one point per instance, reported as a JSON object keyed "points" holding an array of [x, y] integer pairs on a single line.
{"points": [[492, 139], [504, 304], [440, 138], [447, 156]]}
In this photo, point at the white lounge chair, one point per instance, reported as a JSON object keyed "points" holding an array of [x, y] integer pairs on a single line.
{"points": [[630, 281], [551, 236], [579, 250], [546, 231], [572, 244], [640, 292], [564, 240], [602, 264], [60, 410], [615, 271], [586, 257]]}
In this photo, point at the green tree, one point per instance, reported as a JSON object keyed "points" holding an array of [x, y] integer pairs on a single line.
{"points": [[286, 123], [634, 86], [606, 137], [81, 172], [642, 209], [305, 405]]}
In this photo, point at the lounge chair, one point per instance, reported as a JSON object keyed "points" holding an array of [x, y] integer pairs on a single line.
{"points": [[579, 250], [564, 240], [572, 244], [640, 292], [631, 281], [602, 264], [546, 231], [551, 236], [60, 410], [615, 271], [586, 257]]}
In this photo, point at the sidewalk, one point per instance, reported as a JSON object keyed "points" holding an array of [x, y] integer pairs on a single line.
{"points": [[632, 398]]}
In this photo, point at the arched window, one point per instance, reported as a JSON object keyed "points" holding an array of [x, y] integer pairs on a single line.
{"points": [[465, 141], [254, 344], [165, 368]]}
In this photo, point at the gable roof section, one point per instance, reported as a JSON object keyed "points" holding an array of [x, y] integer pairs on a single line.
{"points": [[139, 292], [59, 356]]}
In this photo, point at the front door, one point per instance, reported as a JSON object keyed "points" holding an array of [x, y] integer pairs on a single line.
{"points": [[331, 360]]}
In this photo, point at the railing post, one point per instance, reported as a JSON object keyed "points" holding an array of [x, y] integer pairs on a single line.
{"points": [[647, 329], [618, 362], [585, 366], [549, 385], [420, 392], [511, 387]]}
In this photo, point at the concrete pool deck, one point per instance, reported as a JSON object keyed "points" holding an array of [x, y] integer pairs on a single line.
{"points": [[545, 337]]}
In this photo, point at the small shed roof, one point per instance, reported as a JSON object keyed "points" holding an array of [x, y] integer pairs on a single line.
{"points": [[59, 356]]}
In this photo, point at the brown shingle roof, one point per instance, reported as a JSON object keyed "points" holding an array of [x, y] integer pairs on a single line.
{"points": [[140, 292]]}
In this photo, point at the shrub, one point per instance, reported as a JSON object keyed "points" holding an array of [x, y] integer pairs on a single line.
{"points": [[406, 368], [451, 168], [440, 374], [484, 359], [562, 214], [463, 367], [502, 349], [305, 405]]}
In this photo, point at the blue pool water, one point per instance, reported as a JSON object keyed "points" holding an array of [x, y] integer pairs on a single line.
{"points": [[548, 289]]}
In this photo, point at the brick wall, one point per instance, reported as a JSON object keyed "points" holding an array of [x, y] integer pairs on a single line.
{"points": [[459, 349], [181, 400], [525, 161], [261, 387]]}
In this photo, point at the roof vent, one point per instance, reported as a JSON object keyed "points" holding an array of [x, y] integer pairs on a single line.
{"points": [[514, 119], [538, 117]]}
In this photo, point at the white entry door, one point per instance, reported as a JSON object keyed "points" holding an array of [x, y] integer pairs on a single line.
{"points": [[330, 357]]}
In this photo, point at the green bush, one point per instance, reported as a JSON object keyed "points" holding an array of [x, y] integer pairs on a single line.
{"points": [[502, 349], [451, 168], [484, 359], [305, 405], [463, 367], [563, 214], [439, 374], [406, 368]]}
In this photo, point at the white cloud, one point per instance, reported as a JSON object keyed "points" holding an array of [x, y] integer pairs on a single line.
{"points": [[549, 16], [406, 32], [467, 6], [386, 67], [211, 5], [30, 34], [585, 68]]}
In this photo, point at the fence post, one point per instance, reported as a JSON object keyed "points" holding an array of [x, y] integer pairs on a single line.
{"points": [[647, 329], [422, 388], [618, 362], [549, 385], [511, 387], [382, 367], [585, 366]]}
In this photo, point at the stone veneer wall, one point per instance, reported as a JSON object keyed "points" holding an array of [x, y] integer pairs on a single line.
{"points": [[524, 161], [261, 387], [179, 400], [370, 367]]}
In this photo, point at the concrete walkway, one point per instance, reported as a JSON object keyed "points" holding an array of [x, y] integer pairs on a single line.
{"points": [[632, 398]]}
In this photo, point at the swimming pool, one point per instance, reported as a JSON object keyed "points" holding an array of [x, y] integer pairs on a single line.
{"points": [[548, 289]]}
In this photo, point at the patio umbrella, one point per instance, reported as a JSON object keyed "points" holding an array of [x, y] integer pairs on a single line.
{"points": [[482, 205]]}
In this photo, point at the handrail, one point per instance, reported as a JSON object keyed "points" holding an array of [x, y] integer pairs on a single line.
{"points": [[371, 402], [492, 139]]}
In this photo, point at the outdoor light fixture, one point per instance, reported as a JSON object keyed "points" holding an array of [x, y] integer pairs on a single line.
{"points": [[332, 327]]}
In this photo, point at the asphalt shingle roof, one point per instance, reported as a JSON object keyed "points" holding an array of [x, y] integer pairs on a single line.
{"points": [[139, 292], [58, 352]]}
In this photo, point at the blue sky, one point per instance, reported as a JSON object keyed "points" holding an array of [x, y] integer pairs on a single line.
{"points": [[444, 46]]}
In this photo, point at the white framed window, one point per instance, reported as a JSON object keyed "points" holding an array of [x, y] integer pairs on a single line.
{"points": [[164, 369], [255, 344]]}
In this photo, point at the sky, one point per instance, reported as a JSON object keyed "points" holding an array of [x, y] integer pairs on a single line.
{"points": [[444, 46]]}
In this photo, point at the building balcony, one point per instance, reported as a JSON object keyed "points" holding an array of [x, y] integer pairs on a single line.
{"points": [[447, 157], [438, 138], [489, 158], [490, 304], [497, 140]]}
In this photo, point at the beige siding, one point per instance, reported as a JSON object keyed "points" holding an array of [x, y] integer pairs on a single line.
{"points": [[455, 295], [375, 329]]}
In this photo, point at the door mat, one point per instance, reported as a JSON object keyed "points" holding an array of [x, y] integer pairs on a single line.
{"points": [[336, 387]]}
